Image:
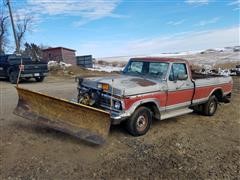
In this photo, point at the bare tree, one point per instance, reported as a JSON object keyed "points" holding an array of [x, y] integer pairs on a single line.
{"points": [[23, 25], [3, 32]]}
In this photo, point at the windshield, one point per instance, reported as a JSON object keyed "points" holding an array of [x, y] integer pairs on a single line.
{"points": [[152, 69]]}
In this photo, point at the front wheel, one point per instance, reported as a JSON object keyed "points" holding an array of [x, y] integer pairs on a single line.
{"points": [[210, 107], [139, 123], [39, 79]]}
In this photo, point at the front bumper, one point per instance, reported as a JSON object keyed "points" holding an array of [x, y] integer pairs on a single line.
{"points": [[117, 118], [103, 100]]}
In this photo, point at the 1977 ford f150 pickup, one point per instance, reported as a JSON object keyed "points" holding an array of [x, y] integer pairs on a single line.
{"points": [[158, 88]]}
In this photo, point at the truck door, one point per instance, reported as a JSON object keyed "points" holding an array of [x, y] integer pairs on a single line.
{"points": [[180, 87]]}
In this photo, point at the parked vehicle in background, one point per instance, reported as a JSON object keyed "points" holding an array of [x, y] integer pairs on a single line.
{"points": [[236, 70], [225, 72], [10, 64]]}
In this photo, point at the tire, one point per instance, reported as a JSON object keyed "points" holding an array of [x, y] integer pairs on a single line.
{"points": [[139, 123], [13, 76], [210, 107], [39, 79]]}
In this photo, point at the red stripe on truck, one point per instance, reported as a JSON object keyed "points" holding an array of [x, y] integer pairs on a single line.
{"points": [[179, 96], [160, 96]]}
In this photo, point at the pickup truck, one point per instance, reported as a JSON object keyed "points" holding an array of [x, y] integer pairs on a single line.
{"points": [[154, 88], [10, 65]]}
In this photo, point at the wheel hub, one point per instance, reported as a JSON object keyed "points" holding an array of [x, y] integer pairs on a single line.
{"points": [[141, 123]]}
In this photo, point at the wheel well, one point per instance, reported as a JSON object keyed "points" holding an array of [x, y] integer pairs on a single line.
{"points": [[219, 94], [153, 108]]}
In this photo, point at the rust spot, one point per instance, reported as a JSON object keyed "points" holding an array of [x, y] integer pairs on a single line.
{"points": [[143, 82]]}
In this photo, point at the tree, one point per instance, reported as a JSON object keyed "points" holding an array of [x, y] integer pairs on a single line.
{"points": [[23, 25], [3, 32], [33, 51]]}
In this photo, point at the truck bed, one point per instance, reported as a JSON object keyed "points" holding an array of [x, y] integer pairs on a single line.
{"points": [[204, 76]]}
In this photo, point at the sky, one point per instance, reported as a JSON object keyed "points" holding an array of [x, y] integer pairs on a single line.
{"points": [[106, 28]]}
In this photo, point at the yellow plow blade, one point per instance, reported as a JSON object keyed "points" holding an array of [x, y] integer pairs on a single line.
{"points": [[82, 121]]}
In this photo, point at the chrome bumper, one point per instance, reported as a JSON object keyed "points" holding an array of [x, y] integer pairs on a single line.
{"points": [[117, 118]]}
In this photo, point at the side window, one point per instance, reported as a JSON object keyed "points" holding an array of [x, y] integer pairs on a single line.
{"points": [[176, 70]]}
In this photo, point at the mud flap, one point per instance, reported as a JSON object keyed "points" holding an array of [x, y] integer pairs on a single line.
{"points": [[82, 121]]}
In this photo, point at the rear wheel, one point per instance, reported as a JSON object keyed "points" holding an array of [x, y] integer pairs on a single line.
{"points": [[210, 107], [13, 76], [140, 122], [39, 79]]}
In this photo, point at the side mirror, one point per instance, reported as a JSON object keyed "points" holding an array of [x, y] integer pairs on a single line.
{"points": [[182, 77]]}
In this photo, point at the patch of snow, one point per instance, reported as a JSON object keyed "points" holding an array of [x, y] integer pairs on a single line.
{"points": [[126, 58], [56, 64], [63, 64], [202, 57], [98, 67], [184, 53], [52, 63]]}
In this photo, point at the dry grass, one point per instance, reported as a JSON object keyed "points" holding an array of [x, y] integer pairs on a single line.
{"points": [[112, 63], [75, 71], [228, 65]]}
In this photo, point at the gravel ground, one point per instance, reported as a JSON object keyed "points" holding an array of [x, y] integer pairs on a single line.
{"points": [[187, 147]]}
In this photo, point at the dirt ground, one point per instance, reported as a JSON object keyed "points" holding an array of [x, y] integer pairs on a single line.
{"points": [[187, 147]]}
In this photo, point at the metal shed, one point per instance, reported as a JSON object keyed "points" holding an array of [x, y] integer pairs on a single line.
{"points": [[85, 61]]}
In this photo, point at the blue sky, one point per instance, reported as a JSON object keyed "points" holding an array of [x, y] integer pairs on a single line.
{"points": [[132, 27]]}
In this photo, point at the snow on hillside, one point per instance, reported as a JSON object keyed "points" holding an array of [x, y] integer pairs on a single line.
{"points": [[200, 57], [126, 58]]}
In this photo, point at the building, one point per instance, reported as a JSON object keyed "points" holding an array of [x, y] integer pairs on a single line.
{"points": [[60, 54], [85, 61]]}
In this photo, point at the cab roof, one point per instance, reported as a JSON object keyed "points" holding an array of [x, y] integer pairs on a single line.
{"points": [[159, 59]]}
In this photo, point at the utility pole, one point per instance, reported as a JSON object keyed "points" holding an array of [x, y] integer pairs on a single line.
{"points": [[13, 27]]}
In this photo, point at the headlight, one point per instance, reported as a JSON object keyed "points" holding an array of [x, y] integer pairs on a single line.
{"points": [[117, 105]]}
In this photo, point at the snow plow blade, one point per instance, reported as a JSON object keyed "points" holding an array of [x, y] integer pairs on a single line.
{"points": [[82, 121]]}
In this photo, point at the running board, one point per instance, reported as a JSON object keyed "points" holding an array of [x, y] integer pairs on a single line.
{"points": [[175, 113]]}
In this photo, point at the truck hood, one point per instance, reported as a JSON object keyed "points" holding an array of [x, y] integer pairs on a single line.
{"points": [[126, 85]]}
